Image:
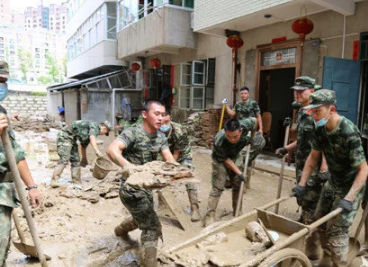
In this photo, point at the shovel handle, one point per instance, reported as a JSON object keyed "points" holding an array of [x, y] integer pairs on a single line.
{"points": [[19, 186], [222, 117], [17, 225]]}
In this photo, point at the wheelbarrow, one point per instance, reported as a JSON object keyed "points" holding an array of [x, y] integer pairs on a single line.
{"points": [[288, 250]]}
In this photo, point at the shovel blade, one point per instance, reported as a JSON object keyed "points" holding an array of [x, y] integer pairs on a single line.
{"points": [[28, 250]]}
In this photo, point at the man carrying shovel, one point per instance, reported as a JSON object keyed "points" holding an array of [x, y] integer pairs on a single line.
{"points": [[303, 88], [138, 145], [245, 109], [339, 139], [8, 197], [85, 132]]}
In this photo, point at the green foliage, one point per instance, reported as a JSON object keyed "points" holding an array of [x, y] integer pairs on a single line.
{"points": [[40, 93], [26, 60], [45, 80]]}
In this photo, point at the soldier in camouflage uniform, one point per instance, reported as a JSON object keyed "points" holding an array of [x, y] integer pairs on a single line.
{"points": [[339, 139], [303, 88], [179, 144], [244, 109], [228, 154], [138, 145], [8, 196], [85, 132]]}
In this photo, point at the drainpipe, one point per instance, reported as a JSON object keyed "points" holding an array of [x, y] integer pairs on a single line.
{"points": [[343, 38], [235, 56]]}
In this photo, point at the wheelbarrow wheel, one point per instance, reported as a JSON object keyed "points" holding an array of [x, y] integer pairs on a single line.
{"points": [[287, 257]]}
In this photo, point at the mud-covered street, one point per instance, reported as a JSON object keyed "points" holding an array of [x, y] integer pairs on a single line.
{"points": [[76, 227]]}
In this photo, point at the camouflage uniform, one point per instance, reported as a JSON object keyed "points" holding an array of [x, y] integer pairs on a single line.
{"points": [[344, 152], [8, 196], [141, 148], [305, 132], [67, 146], [222, 150]]}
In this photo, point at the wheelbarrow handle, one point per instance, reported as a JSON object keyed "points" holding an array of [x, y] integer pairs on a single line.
{"points": [[19, 186]]}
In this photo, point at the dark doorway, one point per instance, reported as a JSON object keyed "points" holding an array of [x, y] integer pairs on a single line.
{"points": [[276, 97], [160, 87]]}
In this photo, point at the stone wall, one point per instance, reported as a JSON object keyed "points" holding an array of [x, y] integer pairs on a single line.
{"points": [[25, 105]]}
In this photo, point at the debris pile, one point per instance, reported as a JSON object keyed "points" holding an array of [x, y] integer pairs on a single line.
{"points": [[36, 124]]}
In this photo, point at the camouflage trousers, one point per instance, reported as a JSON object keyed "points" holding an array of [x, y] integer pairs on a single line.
{"points": [[257, 144], [139, 202], [5, 231], [337, 229], [310, 200], [67, 149], [189, 164]]}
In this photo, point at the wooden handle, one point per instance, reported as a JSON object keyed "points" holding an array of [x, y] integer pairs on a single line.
{"points": [[222, 117], [17, 226], [21, 192], [240, 197]]}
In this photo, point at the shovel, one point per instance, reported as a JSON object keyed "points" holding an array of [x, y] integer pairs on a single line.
{"points": [[20, 189], [22, 246], [240, 197]]}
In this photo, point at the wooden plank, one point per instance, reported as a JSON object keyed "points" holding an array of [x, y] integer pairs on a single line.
{"points": [[170, 201]]}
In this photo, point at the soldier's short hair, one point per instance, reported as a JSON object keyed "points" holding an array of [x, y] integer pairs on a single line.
{"points": [[168, 112], [244, 88], [147, 104], [232, 125]]}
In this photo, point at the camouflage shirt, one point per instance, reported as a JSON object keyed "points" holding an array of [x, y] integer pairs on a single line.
{"points": [[8, 196], [223, 149], [249, 109], [142, 147], [178, 139], [343, 150], [82, 130], [305, 131]]}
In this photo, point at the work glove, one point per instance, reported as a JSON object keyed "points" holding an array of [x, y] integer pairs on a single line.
{"points": [[84, 162], [324, 176], [281, 152], [240, 177], [224, 101], [298, 191], [99, 154], [346, 205]]}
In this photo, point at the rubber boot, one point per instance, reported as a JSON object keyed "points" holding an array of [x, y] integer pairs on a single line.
{"points": [[56, 175], [76, 175], [150, 257], [249, 175], [235, 196], [193, 199], [125, 227], [211, 210]]}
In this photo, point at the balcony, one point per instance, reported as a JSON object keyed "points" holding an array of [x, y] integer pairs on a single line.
{"points": [[165, 30]]}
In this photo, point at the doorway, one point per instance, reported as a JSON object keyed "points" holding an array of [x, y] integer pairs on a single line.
{"points": [[275, 96]]}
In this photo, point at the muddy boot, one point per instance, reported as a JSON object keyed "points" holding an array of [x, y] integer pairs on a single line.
{"points": [[56, 175], [249, 175], [125, 227], [193, 199], [235, 196], [76, 175], [150, 257], [211, 210]]}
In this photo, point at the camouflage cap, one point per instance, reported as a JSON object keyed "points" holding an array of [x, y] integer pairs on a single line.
{"points": [[4, 69], [108, 126], [321, 97], [303, 82], [317, 87]]}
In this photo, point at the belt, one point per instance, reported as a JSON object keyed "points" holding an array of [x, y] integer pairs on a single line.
{"points": [[6, 177]]}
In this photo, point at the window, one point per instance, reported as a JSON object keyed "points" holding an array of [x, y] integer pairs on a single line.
{"points": [[196, 84]]}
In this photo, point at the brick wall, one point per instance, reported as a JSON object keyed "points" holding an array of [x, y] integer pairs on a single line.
{"points": [[25, 105], [208, 13]]}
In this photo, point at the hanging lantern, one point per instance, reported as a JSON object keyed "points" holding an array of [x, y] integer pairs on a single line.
{"points": [[135, 66], [302, 26], [234, 41], [155, 63]]}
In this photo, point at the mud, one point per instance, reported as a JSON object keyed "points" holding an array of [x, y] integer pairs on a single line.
{"points": [[76, 227]]}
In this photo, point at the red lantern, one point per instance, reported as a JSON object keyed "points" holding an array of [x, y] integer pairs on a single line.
{"points": [[302, 26], [155, 63], [234, 41], [135, 66]]}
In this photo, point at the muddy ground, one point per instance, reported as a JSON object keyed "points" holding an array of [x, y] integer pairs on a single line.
{"points": [[76, 227]]}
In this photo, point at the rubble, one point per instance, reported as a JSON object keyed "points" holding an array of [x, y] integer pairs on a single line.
{"points": [[35, 124]]}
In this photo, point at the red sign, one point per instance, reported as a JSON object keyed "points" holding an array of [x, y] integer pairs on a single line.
{"points": [[278, 39], [356, 50]]}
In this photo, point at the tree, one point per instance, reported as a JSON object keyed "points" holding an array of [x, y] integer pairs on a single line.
{"points": [[26, 60], [45, 80]]}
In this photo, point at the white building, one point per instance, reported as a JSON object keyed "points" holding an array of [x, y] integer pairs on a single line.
{"points": [[91, 38]]}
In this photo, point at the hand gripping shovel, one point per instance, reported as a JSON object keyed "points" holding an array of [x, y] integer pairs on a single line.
{"points": [[22, 246], [19, 185]]}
